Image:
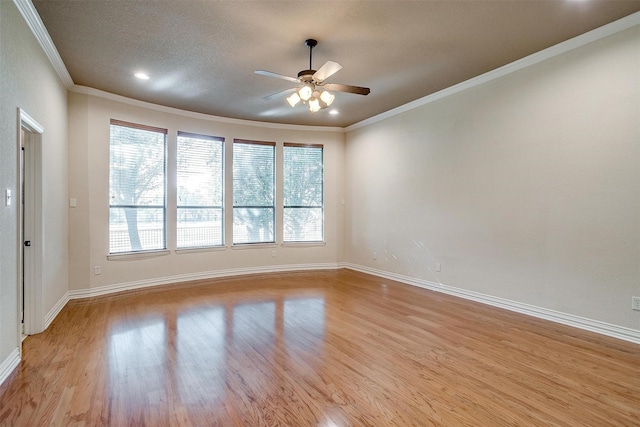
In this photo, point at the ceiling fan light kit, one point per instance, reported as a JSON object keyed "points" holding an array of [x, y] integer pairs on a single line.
{"points": [[327, 97], [306, 91], [314, 105], [313, 92], [294, 99]]}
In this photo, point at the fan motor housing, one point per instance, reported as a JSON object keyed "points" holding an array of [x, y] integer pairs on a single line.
{"points": [[306, 75]]}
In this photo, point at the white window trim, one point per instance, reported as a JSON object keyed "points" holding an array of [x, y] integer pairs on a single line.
{"points": [[303, 244], [140, 254], [182, 251], [242, 246]]}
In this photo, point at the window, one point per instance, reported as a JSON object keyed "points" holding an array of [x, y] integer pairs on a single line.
{"points": [[303, 193], [137, 187], [253, 192], [200, 182]]}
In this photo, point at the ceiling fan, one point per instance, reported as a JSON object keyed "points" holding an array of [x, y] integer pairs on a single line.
{"points": [[313, 89]]}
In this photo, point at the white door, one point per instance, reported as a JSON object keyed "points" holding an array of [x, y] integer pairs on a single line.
{"points": [[30, 228]]}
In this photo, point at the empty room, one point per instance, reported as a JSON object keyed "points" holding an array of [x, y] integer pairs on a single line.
{"points": [[319, 213]]}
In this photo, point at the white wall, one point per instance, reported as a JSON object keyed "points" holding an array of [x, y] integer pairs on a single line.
{"points": [[28, 81], [90, 112], [525, 188]]}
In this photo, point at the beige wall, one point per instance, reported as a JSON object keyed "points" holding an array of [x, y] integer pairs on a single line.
{"points": [[90, 113], [524, 188], [28, 81]]}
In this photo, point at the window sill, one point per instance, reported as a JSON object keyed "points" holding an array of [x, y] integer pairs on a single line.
{"points": [[182, 251], [136, 255], [241, 246], [303, 244]]}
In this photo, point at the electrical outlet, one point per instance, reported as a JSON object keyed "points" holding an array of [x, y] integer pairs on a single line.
{"points": [[273, 254], [635, 303], [438, 267], [96, 270], [375, 256]]}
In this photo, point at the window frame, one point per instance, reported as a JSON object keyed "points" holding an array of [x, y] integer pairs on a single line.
{"points": [[284, 196], [163, 208], [223, 182], [272, 207]]}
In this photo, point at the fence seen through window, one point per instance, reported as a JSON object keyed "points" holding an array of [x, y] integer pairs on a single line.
{"points": [[138, 190], [200, 190], [253, 192], [303, 193], [137, 187]]}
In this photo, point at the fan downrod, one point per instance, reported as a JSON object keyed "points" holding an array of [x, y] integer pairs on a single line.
{"points": [[310, 43]]}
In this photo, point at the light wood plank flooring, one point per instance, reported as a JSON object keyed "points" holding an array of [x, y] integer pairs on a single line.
{"points": [[329, 349]]}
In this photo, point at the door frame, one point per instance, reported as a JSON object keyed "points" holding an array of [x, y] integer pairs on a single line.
{"points": [[33, 225]]}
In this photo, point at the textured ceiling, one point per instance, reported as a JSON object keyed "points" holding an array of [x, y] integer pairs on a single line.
{"points": [[201, 55]]}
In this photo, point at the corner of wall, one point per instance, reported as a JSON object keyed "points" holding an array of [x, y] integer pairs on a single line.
{"points": [[79, 218]]}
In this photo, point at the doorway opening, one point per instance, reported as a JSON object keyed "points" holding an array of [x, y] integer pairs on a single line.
{"points": [[30, 226]]}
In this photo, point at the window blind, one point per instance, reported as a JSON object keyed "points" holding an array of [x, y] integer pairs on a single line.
{"points": [[303, 218], [200, 190], [253, 192], [137, 187]]}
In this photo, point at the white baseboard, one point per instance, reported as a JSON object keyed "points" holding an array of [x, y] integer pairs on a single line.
{"points": [[596, 326], [599, 327], [146, 283], [9, 364], [56, 310], [140, 284]]}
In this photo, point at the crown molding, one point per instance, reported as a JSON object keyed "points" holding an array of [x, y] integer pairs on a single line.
{"points": [[535, 58], [191, 114], [31, 17]]}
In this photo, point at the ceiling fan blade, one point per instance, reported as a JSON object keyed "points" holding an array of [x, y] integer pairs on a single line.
{"points": [[281, 93], [276, 75], [327, 70], [336, 87]]}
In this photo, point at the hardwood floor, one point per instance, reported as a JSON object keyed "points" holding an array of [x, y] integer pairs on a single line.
{"points": [[329, 349]]}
